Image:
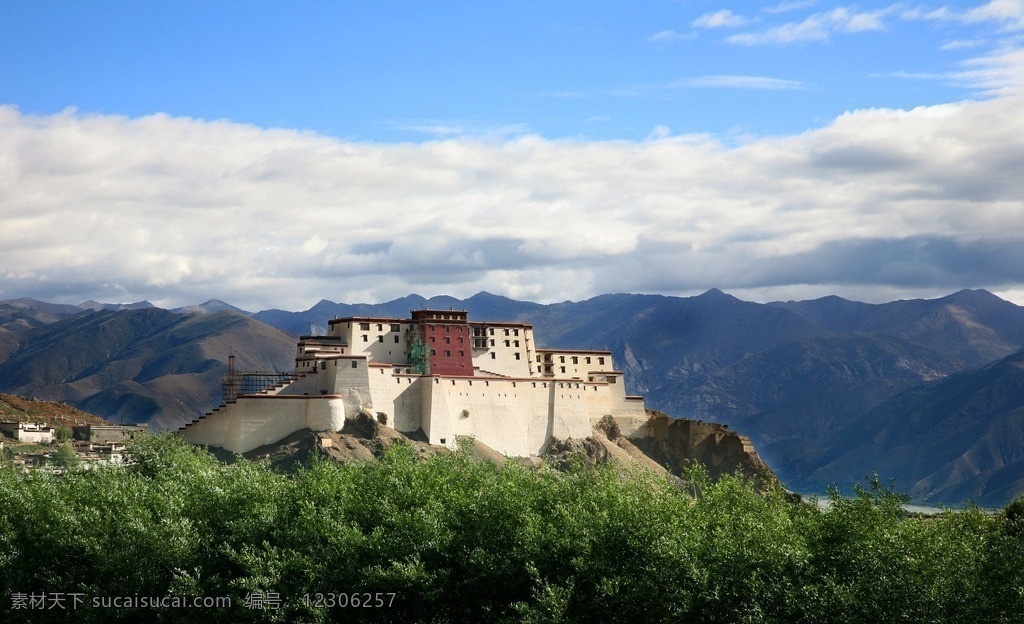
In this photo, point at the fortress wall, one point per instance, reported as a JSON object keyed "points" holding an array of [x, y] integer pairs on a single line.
{"points": [[325, 413], [214, 429], [251, 422], [350, 379], [517, 417], [267, 420], [309, 384], [514, 417], [398, 396]]}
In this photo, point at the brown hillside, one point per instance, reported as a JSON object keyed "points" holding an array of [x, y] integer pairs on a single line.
{"points": [[33, 410]]}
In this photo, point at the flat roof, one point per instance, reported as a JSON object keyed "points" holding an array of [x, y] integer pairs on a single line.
{"points": [[367, 319]]}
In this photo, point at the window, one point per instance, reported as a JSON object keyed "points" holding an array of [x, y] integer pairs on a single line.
{"points": [[491, 330], [575, 360], [364, 326], [447, 340], [380, 338], [516, 332], [433, 352], [380, 327], [600, 361], [366, 338], [394, 327], [561, 360], [396, 339], [447, 329], [517, 343], [492, 343], [517, 355], [563, 368], [461, 353], [588, 359], [447, 353], [506, 331], [493, 356], [355, 364], [507, 343]]}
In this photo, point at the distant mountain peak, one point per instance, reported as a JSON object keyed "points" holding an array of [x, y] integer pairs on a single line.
{"points": [[210, 307], [97, 306], [715, 294]]}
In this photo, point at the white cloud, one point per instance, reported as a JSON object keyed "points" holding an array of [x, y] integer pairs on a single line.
{"points": [[816, 27], [668, 36], [746, 82], [699, 82], [1000, 72], [720, 19], [1009, 14], [792, 5], [179, 210], [963, 44]]}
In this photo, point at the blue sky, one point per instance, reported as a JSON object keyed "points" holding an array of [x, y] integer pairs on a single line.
{"points": [[394, 71], [749, 138]]}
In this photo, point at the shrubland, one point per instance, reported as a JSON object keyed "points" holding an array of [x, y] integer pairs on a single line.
{"points": [[453, 539]]}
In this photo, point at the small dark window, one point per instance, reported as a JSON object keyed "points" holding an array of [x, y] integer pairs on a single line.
{"points": [[380, 338], [364, 326], [396, 339], [355, 364]]}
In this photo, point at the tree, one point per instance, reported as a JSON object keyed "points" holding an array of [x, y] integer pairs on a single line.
{"points": [[419, 359], [65, 457]]}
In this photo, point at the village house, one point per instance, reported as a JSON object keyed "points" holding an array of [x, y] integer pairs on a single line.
{"points": [[30, 432]]}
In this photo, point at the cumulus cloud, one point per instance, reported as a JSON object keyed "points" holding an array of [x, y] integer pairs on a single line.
{"points": [[178, 210]]}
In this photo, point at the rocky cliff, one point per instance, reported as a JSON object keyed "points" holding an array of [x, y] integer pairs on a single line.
{"points": [[663, 445]]}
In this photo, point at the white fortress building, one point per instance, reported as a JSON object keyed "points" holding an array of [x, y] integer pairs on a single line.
{"points": [[436, 374]]}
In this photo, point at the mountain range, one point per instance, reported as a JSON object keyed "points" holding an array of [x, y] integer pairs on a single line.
{"points": [[929, 393]]}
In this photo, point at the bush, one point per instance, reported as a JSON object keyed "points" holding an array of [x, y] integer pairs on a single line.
{"points": [[455, 539]]}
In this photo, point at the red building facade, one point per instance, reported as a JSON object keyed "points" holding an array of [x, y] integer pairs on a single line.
{"points": [[446, 334]]}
